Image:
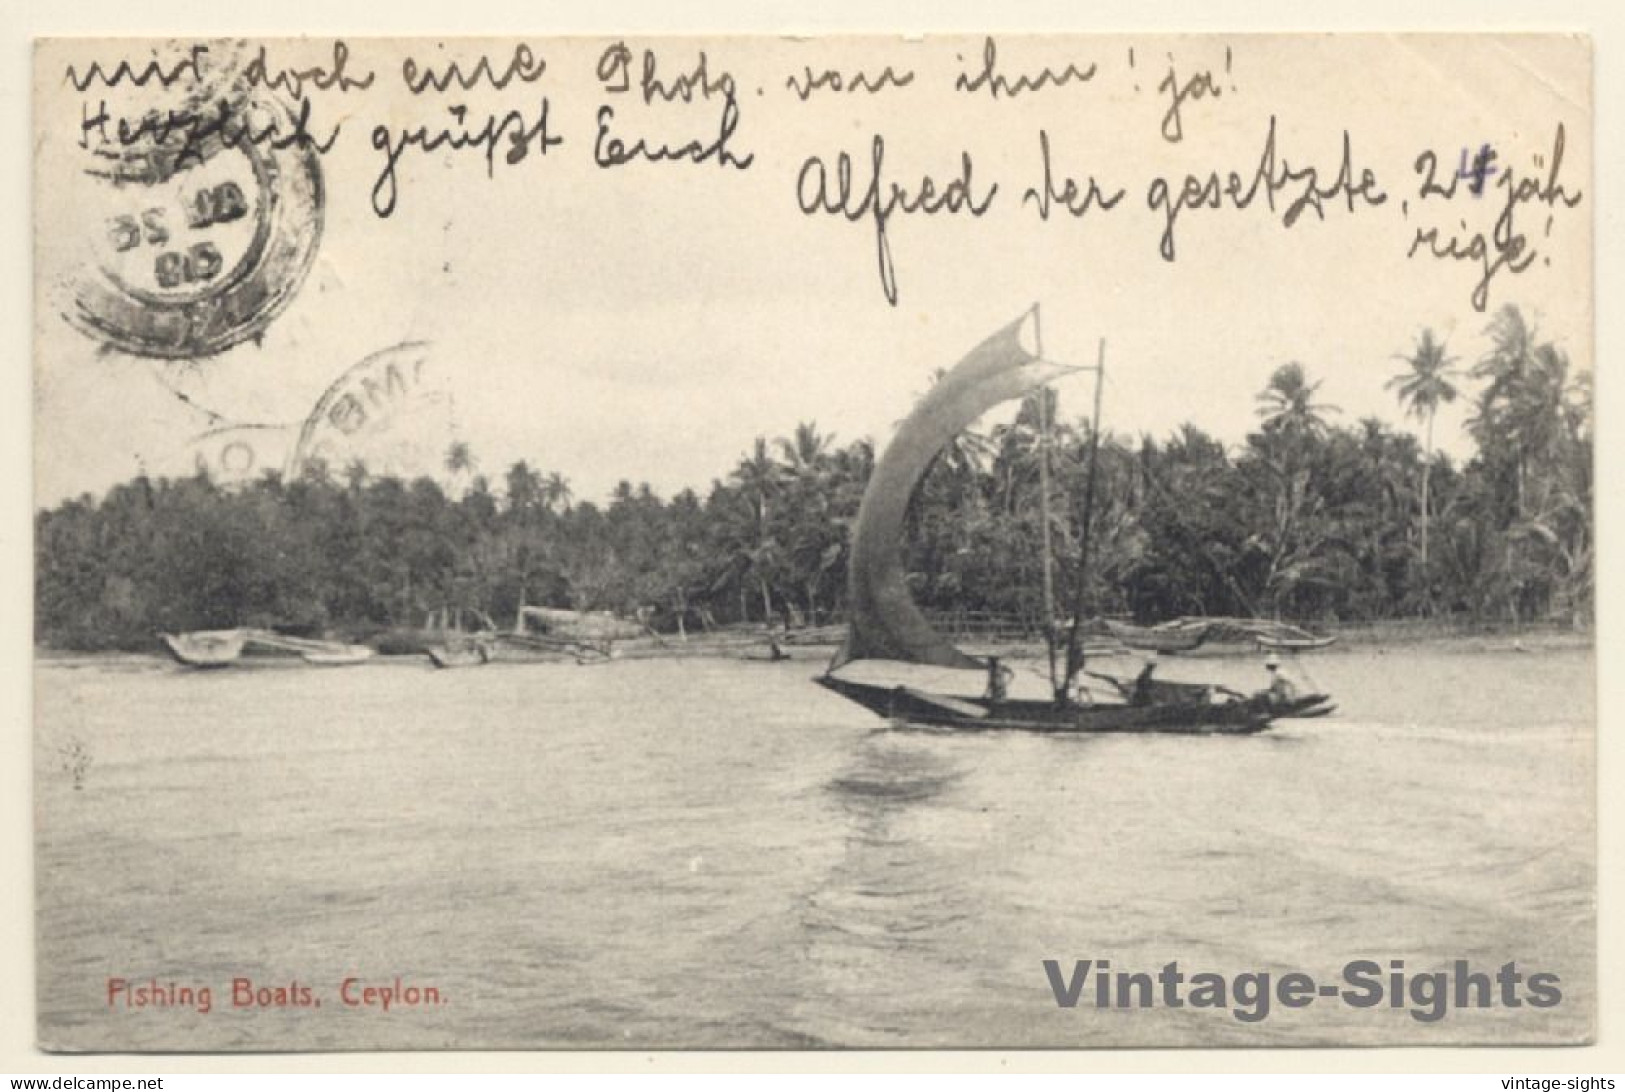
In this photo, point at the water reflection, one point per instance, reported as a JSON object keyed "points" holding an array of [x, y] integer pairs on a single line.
{"points": [[892, 768], [895, 900]]}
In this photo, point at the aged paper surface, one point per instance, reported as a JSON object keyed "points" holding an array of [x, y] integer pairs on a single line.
{"points": [[567, 364]]}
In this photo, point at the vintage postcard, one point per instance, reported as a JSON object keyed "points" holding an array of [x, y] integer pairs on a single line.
{"points": [[859, 542]]}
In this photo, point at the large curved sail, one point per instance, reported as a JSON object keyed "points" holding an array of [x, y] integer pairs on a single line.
{"points": [[885, 623]]}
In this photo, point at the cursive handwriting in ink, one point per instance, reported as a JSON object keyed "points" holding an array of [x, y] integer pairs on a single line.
{"points": [[292, 81], [523, 139], [523, 66], [833, 80], [1273, 176], [1549, 192], [189, 68], [1076, 199], [997, 84], [611, 151], [161, 145], [1194, 89], [615, 73], [1427, 165], [1506, 247], [817, 193], [1515, 255]]}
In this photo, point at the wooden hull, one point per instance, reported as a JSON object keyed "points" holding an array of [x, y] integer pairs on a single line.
{"points": [[1188, 634], [513, 648], [1293, 644], [471, 656], [698, 646], [206, 648], [227, 648], [979, 714], [1242, 716], [1158, 640]]}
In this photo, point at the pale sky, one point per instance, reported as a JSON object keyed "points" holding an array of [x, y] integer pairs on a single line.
{"points": [[648, 321]]}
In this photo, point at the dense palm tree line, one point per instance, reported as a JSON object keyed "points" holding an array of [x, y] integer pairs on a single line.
{"points": [[1309, 519]]}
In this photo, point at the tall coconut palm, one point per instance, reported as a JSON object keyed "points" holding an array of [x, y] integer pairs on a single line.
{"points": [[759, 477], [524, 491], [806, 452], [524, 488], [460, 463], [1512, 367], [1292, 422], [1421, 390], [1287, 403], [1513, 341], [555, 492], [810, 541]]}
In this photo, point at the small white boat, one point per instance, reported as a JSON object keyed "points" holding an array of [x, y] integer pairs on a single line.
{"points": [[465, 655], [343, 656], [206, 648]]}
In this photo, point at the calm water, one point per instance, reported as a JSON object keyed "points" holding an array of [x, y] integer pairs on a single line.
{"points": [[721, 854]]}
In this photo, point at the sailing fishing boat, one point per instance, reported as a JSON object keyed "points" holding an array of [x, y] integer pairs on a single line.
{"points": [[885, 624]]}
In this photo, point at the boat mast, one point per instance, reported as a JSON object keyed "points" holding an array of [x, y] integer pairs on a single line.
{"points": [[1074, 637], [1043, 507]]}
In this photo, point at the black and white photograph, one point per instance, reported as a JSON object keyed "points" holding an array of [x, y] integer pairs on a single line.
{"points": [[977, 541]]}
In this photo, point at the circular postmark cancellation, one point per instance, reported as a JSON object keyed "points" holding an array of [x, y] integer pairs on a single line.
{"points": [[393, 413], [202, 207], [240, 454]]}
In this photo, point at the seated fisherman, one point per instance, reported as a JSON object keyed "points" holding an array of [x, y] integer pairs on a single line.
{"points": [[1142, 683], [998, 679], [1281, 691]]}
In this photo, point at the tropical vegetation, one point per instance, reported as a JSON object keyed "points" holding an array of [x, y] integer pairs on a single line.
{"points": [[1312, 518]]}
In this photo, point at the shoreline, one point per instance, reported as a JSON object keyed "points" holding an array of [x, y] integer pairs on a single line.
{"points": [[1361, 636], [1375, 637], [1470, 638]]}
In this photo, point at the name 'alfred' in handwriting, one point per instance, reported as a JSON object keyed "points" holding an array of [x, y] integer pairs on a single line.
{"points": [[817, 193]]}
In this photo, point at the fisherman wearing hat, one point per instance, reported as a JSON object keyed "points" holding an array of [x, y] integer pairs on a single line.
{"points": [[1281, 691]]}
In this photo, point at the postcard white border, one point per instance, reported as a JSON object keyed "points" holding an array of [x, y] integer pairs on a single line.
{"points": [[495, 17]]}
